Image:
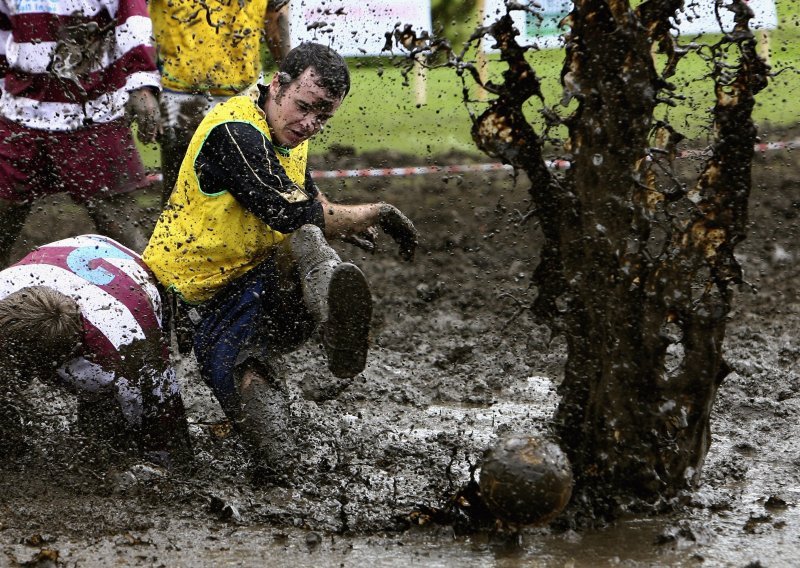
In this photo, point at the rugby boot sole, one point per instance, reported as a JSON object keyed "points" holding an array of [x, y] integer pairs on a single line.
{"points": [[345, 334]]}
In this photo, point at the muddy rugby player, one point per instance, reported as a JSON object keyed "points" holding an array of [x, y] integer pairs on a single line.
{"points": [[85, 313], [203, 64], [68, 73], [242, 246]]}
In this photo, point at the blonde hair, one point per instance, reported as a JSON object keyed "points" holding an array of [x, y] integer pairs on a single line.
{"points": [[42, 319]]}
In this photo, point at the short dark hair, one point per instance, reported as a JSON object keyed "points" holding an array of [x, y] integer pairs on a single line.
{"points": [[329, 65]]}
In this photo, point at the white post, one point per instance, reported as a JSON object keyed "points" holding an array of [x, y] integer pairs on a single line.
{"points": [[480, 59], [420, 78]]}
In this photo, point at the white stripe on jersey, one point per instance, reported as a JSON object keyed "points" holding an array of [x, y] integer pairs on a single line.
{"points": [[136, 31], [62, 116], [37, 57], [141, 79], [4, 38], [30, 57], [100, 308]]}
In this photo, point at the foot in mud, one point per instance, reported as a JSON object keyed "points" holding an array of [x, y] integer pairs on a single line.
{"points": [[345, 334], [320, 389], [264, 425]]}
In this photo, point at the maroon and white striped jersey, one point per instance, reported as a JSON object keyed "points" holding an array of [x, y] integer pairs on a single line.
{"points": [[120, 306], [65, 64]]}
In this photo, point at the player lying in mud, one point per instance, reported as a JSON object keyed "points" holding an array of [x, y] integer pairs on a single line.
{"points": [[84, 313]]}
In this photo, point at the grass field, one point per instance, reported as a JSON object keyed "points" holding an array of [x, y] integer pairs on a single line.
{"points": [[381, 113]]}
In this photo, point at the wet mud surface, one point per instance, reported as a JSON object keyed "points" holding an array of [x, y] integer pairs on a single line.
{"points": [[454, 363]]}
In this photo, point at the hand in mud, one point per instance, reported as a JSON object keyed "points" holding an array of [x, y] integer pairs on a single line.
{"points": [[365, 240], [143, 108], [400, 228]]}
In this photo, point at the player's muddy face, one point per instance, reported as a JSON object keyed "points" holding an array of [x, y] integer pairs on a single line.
{"points": [[298, 110]]}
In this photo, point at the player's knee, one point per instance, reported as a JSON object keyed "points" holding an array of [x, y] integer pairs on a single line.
{"points": [[309, 233]]}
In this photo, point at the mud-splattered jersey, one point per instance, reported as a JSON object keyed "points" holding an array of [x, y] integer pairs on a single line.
{"points": [[120, 308], [204, 241], [210, 46], [65, 64]]}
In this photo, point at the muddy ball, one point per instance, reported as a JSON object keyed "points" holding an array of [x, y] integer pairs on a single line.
{"points": [[526, 479]]}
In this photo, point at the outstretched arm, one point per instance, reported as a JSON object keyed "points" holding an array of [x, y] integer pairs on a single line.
{"points": [[343, 221], [346, 220]]}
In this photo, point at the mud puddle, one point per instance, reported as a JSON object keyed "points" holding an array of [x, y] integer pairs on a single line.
{"points": [[454, 363]]}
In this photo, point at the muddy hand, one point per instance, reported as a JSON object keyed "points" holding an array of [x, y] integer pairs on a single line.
{"points": [[143, 108], [365, 240], [400, 228]]}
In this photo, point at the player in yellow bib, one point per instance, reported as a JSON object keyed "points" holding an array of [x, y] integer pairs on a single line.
{"points": [[209, 51], [242, 245]]}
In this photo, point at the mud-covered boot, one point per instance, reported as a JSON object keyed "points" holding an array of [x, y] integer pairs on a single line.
{"points": [[262, 420], [345, 333], [337, 295]]}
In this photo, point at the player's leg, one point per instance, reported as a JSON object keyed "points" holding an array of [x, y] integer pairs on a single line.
{"points": [[172, 153], [181, 113], [263, 420], [234, 344], [119, 217], [338, 296]]}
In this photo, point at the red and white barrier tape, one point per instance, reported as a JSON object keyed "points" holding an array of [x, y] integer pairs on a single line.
{"points": [[420, 170], [473, 168]]}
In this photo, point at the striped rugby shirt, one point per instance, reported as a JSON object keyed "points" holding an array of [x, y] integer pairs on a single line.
{"points": [[119, 305], [65, 64]]}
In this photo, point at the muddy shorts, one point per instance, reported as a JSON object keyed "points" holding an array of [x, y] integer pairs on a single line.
{"points": [[249, 323], [83, 163], [184, 111]]}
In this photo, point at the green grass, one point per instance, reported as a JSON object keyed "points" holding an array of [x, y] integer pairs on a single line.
{"points": [[383, 113]]}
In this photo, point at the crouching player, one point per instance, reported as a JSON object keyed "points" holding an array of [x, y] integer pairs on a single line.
{"points": [[85, 313]]}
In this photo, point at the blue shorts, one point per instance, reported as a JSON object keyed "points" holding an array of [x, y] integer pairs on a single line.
{"points": [[249, 322]]}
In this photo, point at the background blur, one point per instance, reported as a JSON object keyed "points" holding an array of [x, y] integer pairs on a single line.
{"points": [[426, 116]]}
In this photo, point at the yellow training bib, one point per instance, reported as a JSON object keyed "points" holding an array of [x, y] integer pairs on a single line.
{"points": [[204, 241]]}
